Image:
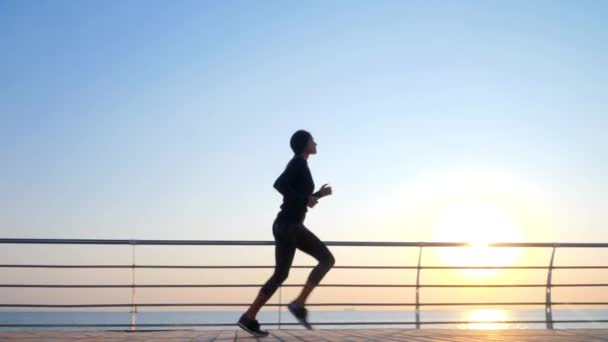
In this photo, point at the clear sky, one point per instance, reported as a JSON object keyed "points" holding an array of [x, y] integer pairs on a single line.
{"points": [[157, 119], [435, 121]]}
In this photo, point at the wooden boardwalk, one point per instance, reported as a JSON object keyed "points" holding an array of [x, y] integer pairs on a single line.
{"points": [[410, 335]]}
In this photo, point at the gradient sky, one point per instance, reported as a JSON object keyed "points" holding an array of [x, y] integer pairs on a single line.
{"points": [[157, 119], [171, 120]]}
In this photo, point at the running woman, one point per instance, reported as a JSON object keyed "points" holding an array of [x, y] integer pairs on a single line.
{"points": [[297, 186]]}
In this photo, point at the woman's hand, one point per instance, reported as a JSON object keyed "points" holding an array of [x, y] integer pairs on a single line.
{"points": [[325, 190], [312, 201]]}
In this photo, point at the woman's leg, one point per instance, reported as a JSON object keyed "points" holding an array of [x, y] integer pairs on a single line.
{"points": [[310, 244], [284, 252]]}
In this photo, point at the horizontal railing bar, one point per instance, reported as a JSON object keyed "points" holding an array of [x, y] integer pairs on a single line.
{"points": [[262, 243], [58, 325], [511, 267], [186, 304], [295, 266], [308, 304], [290, 285]]}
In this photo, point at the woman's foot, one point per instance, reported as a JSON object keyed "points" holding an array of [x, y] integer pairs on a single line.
{"points": [[300, 313], [252, 326]]}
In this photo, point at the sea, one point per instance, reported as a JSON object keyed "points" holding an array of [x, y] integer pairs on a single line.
{"points": [[267, 318]]}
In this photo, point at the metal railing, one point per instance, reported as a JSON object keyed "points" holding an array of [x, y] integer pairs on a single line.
{"points": [[547, 303]]}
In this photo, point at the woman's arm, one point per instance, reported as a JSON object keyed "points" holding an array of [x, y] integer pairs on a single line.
{"points": [[324, 191]]}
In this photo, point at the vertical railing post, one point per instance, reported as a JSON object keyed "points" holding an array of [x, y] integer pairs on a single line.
{"points": [[548, 309], [133, 305], [280, 303], [418, 288]]}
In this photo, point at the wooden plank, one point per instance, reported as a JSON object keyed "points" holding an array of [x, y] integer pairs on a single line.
{"points": [[318, 335]]}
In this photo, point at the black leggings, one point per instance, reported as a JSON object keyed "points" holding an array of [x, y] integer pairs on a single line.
{"points": [[288, 237]]}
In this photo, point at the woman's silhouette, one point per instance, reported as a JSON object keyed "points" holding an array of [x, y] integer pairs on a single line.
{"points": [[296, 186]]}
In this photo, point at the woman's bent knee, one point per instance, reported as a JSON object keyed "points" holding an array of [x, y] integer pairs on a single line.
{"points": [[327, 263], [330, 260]]}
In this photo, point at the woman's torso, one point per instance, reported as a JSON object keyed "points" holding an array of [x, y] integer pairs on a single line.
{"points": [[294, 210]]}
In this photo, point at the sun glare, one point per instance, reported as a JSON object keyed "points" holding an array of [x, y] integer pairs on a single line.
{"points": [[486, 315], [478, 224]]}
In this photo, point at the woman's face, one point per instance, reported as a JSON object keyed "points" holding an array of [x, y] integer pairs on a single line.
{"points": [[311, 146]]}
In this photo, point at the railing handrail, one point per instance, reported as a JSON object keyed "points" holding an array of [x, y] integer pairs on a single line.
{"points": [[219, 304], [271, 242], [548, 302], [298, 266]]}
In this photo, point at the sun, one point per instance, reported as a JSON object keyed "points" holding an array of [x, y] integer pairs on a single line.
{"points": [[477, 223]]}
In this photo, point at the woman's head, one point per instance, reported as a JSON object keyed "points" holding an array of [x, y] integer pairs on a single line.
{"points": [[302, 142]]}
